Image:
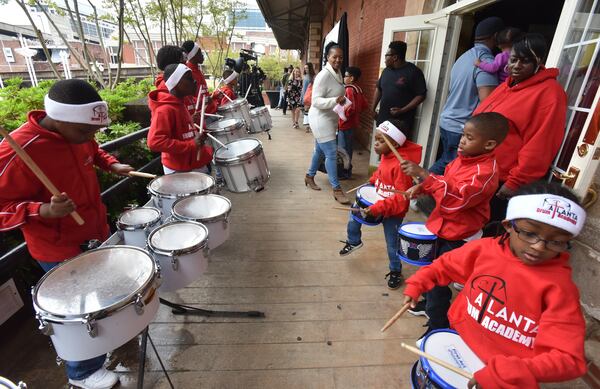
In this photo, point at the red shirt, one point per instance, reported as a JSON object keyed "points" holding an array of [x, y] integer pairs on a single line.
{"points": [[219, 98], [355, 95], [189, 101], [389, 176], [536, 111], [70, 167], [524, 322], [172, 133], [462, 196]]}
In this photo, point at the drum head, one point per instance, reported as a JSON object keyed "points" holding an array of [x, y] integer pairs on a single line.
{"points": [[95, 280], [202, 207], [178, 237], [238, 149], [181, 184], [416, 231], [369, 193], [258, 110], [224, 125], [448, 346], [138, 217], [233, 105]]}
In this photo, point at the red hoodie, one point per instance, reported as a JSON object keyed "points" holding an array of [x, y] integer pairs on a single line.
{"points": [[172, 133], [388, 176], [211, 107], [219, 98], [352, 112], [189, 101], [462, 196], [524, 322], [536, 110], [68, 166]]}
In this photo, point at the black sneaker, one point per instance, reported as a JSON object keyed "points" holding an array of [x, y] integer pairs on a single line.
{"points": [[419, 309], [348, 248], [395, 279]]}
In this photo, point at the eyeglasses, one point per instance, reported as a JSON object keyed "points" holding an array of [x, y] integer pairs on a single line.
{"points": [[530, 237]]}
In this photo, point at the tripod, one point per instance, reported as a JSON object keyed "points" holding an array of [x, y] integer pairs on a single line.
{"points": [[180, 309], [142, 362]]}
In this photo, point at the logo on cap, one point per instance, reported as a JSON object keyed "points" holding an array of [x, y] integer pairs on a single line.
{"points": [[100, 113], [557, 208]]}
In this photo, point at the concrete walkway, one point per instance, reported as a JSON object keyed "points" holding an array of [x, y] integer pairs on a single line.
{"points": [[323, 311]]}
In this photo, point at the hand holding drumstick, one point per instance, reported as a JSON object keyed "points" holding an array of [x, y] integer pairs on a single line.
{"points": [[412, 169]]}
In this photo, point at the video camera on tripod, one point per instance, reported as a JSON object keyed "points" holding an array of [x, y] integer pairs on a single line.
{"points": [[249, 76]]}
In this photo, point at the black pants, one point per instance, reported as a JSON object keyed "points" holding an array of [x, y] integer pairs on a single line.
{"points": [[438, 299], [284, 104]]}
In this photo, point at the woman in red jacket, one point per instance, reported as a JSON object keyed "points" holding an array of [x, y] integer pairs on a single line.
{"points": [[535, 105]]}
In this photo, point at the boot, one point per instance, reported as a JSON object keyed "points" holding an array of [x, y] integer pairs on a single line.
{"points": [[340, 196], [310, 181]]}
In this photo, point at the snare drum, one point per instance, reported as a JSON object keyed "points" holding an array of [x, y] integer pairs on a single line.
{"points": [[261, 120], [243, 165], [416, 244], [97, 301], [137, 223], [165, 190], [226, 130], [237, 109], [181, 248], [211, 210], [448, 346], [365, 197]]}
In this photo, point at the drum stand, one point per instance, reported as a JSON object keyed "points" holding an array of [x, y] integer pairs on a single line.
{"points": [[180, 309], [142, 363]]}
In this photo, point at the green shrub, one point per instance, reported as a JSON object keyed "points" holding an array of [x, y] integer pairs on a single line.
{"points": [[16, 102]]}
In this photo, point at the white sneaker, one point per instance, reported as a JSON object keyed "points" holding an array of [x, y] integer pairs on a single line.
{"points": [[101, 379], [413, 205]]}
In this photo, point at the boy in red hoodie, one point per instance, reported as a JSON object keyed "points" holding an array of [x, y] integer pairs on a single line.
{"points": [[60, 140], [352, 112], [195, 58], [462, 198], [172, 131], [388, 179], [227, 89], [519, 310]]}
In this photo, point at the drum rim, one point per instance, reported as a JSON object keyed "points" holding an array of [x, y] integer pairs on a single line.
{"points": [[230, 106], [164, 195], [132, 227], [223, 216], [105, 312], [172, 253], [414, 236], [433, 376], [237, 125], [262, 108], [358, 196], [242, 157]]}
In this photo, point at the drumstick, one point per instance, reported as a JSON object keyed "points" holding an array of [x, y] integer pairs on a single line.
{"points": [[353, 189], [213, 138], [396, 316], [440, 362], [36, 170], [248, 91], [213, 115], [198, 99], [142, 174], [396, 153], [348, 209], [201, 126]]}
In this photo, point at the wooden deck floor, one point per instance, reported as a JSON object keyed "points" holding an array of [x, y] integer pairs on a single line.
{"points": [[323, 311]]}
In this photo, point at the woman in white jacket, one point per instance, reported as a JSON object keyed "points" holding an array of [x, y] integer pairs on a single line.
{"points": [[328, 90]]}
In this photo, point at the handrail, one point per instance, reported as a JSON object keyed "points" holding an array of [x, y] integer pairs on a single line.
{"points": [[124, 140]]}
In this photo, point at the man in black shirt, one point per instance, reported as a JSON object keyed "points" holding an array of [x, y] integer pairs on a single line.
{"points": [[400, 89]]}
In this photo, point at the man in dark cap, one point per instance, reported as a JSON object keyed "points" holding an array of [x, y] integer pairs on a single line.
{"points": [[468, 86]]}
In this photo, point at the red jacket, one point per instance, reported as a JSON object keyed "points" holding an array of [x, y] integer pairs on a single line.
{"points": [[531, 330], [68, 166], [355, 95], [536, 110], [462, 196], [219, 98], [211, 107], [172, 133], [388, 176], [189, 101]]}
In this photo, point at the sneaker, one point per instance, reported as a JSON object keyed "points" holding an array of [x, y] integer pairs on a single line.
{"points": [[458, 286], [348, 248], [395, 279], [419, 309], [101, 379]]}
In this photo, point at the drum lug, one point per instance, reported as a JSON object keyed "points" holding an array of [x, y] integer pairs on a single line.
{"points": [[174, 263], [205, 252], [91, 325], [225, 223], [45, 327], [256, 185], [139, 304]]}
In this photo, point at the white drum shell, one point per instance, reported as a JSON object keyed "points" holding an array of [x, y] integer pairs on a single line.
{"points": [[189, 268], [261, 120], [239, 109], [137, 235], [245, 176], [218, 233], [226, 135], [73, 343]]}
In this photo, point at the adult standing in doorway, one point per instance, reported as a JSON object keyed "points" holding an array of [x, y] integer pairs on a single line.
{"points": [[400, 89], [327, 91], [468, 86], [535, 105]]}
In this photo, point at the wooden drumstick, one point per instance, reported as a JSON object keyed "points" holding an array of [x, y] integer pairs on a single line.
{"points": [[201, 126], [440, 362], [198, 99], [396, 153], [358, 187], [348, 209], [37, 171], [142, 174], [215, 139], [248, 91], [396, 316], [213, 115]]}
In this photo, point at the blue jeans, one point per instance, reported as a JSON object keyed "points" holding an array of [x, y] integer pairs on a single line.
{"points": [[390, 231], [77, 370], [344, 139], [327, 150], [450, 141], [438, 299]]}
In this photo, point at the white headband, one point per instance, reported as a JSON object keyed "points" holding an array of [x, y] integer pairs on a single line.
{"points": [[549, 209], [95, 113], [176, 76], [193, 51], [393, 132], [232, 77]]}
